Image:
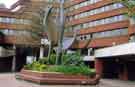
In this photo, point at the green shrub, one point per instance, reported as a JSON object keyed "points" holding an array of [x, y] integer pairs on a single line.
{"points": [[43, 60], [51, 60], [72, 59], [73, 70], [71, 64], [36, 66], [42, 67], [28, 66], [67, 59]]}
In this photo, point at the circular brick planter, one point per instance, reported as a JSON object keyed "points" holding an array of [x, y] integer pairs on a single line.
{"points": [[54, 78]]}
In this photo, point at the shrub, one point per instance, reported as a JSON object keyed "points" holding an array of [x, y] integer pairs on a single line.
{"points": [[71, 64], [36, 66], [72, 59], [67, 59], [73, 70], [52, 59], [45, 60]]}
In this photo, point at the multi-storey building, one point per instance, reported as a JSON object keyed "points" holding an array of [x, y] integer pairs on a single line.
{"points": [[98, 20], [102, 23], [20, 26]]}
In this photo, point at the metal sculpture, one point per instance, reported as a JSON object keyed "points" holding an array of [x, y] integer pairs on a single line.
{"points": [[55, 32]]}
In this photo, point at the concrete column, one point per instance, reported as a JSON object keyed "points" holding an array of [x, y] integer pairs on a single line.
{"points": [[41, 52], [99, 66], [124, 74], [14, 60], [89, 52]]}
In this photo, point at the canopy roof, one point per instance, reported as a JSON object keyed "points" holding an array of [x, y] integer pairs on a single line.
{"points": [[119, 50]]}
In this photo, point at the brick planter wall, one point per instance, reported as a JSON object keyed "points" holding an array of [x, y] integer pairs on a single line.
{"points": [[54, 78]]}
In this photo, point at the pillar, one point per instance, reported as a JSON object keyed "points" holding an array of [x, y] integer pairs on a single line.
{"points": [[123, 75], [99, 66], [89, 51], [14, 60], [41, 52]]}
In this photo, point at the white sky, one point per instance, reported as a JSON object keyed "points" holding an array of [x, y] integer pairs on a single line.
{"points": [[8, 3]]}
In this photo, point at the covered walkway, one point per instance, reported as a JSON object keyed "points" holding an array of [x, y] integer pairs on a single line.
{"points": [[116, 61]]}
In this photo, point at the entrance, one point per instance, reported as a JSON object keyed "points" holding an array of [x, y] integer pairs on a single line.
{"points": [[110, 68], [131, 70], [5, 64], [22, 53], [122, 68]]}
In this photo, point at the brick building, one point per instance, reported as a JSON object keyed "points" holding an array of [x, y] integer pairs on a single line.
{"points": [[21, 30], [101, 23]]}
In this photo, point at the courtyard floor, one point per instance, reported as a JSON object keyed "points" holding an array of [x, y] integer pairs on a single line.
{"points": [[8, 80]]}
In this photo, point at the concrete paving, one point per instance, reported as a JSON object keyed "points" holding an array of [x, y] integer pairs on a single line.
{"points": [[8, 80]]}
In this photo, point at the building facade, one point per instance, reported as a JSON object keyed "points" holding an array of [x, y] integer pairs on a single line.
{"points": [[21, 30], [102, 23], [99, 23], [20, 27]]}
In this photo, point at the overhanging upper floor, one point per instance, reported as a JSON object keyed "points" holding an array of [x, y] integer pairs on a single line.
{"points": [[114, 51]]}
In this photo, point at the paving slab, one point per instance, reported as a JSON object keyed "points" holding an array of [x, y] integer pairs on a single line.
{"points": [[9, 80]]}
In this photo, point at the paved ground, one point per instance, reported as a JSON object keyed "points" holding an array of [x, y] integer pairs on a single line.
{"points": [[8, 80]]}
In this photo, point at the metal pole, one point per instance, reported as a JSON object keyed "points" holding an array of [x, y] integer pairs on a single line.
{"points": [[49, 51], [14, 60], [59, 50]]}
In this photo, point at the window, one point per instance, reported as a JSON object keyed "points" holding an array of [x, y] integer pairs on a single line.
{"points": [[14, 20], [97, 10], [101, 22], [112, 33]]}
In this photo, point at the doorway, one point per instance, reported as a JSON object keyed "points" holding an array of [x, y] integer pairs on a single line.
{"points": [[110, 68]]}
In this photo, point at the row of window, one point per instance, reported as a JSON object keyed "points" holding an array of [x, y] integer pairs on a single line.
{"points": [[97, 22], [15, 32], [96, 11], [15, 21], [112, 33], [85, 3]]}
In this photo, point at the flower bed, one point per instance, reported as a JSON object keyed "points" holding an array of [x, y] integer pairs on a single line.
{"points": [[57, 78], [72, 71]]}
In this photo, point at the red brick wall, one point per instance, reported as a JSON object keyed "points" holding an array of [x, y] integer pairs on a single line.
{"points": [[96, 17], [102, 42], [105, 27], [89, 7]]}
